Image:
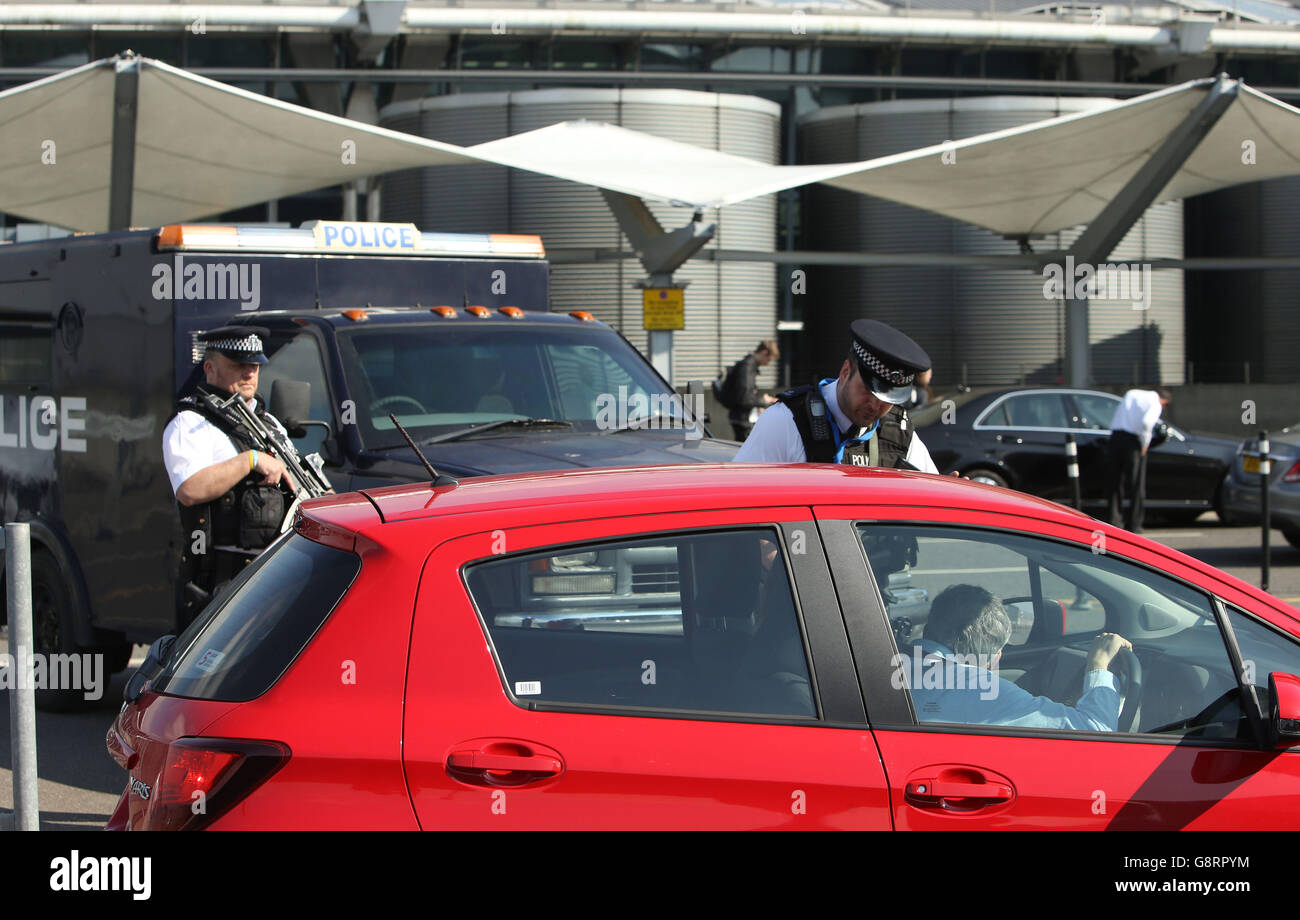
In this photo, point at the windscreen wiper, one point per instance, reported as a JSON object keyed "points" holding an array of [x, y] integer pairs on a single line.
{"points": [[654, 422], [500, 423]]}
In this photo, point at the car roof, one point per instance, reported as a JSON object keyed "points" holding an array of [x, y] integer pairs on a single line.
{"points": [[577, 494], [688, 487]]}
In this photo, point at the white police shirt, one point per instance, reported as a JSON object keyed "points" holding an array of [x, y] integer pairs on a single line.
{"points": [[1137, 414], [192, 443], [775, 438]]}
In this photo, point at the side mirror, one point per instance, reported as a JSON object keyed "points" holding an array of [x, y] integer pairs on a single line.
{"points": [[1284, 709], [291, 404], [153, 663]]}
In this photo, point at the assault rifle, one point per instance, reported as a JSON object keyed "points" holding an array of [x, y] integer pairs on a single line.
{"points": [[308, 472]]}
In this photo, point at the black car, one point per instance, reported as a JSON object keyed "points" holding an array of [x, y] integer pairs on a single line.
{"points": [[1016, 438]]}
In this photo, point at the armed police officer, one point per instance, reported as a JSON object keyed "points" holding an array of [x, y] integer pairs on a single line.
{"points": [[233, 496], [856, 418]]}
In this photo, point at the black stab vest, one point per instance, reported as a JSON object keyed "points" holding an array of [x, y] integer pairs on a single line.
{"points": [[893, 434]]}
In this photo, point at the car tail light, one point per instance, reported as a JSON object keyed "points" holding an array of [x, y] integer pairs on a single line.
{"points": [[1293, 474], [203, 778]]}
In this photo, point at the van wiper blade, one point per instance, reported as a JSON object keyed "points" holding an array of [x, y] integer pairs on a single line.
{"points": [[501, 423], [656, 422]]}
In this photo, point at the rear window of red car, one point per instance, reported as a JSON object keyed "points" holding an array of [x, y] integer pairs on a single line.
{"points": [[241, 644]]}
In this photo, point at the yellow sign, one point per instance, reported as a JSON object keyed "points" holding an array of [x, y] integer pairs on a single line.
{"points": [[664, 308]]}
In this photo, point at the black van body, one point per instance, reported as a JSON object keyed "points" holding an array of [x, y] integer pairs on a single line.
{"points": [[93, 354]]}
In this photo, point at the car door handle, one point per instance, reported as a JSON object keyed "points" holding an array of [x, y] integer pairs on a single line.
{"points": [[503, 762], [957, 788], [941, 790]]}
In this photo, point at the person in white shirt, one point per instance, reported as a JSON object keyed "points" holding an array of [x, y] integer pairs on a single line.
{"points": [[856, 418], [232, 496], [1131, 431]]}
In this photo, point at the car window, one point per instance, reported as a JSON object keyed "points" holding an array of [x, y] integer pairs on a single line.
{"points": [[245, 639], [1000, 627], [692, 622], [1035, 410], [440, 377], [1095, 411], [300, 359], [1263, 651]]}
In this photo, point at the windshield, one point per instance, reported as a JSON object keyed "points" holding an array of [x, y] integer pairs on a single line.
{"points": [[437, 377]]}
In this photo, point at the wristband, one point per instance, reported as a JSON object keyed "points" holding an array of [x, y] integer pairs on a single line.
{"points": [[252, 461]]}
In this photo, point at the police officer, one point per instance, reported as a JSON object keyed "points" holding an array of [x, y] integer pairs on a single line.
{"points": [[232, 495], [856, 419]]}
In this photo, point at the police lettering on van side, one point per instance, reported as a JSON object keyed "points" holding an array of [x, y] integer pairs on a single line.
{"points": [[43, 422]]}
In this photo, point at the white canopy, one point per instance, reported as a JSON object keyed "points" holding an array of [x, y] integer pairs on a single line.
{"points": [[202, 147], [1037, 178]]}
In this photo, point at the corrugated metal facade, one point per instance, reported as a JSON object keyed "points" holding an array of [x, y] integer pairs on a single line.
{"points": [[981, 326], [729, 306]]}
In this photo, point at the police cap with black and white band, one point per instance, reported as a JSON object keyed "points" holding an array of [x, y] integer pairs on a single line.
{"points": [[887, 359], [238, 343]]}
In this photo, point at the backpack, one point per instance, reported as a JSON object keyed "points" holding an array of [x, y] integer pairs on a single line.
{"points": [[726, 386]]}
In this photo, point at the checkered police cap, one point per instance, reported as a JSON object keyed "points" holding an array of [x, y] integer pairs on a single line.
{"points": [[887, 359], [877, 367], [238, 343]]}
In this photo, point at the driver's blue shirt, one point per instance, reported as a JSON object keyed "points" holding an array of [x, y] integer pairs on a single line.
{"points": [[951, 688]]}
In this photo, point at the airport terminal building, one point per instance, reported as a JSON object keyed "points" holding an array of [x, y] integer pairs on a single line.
{"points": [[781, 83]]}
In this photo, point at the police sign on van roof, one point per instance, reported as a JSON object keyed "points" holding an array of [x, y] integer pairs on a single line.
{"points": [[370, 238]]}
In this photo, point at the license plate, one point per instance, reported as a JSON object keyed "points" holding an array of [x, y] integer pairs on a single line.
{"points": [[1250, 464]]}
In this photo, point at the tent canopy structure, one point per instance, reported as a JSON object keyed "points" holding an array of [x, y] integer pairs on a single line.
{"points": [[201, 147], [132, 141]]}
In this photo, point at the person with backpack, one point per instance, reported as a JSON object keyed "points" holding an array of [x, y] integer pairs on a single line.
{"points": [[738, 391]]}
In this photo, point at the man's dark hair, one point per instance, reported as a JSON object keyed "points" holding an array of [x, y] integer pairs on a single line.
{"points": [[969, 620], [1164, 394]]}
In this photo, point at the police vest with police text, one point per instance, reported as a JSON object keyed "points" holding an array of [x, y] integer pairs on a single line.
{"points": [[893, 433]]}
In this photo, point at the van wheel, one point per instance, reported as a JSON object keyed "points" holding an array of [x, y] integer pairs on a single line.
{"points": [[52, 629], [986, 476]]}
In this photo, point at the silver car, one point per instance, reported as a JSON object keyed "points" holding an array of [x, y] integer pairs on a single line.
{"points": [[1242, 494]]}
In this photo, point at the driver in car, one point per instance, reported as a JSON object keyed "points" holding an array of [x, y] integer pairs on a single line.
{"points": [[952, 672]]}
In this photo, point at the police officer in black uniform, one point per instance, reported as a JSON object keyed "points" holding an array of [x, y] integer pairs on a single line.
{"points": [[233, 496], [857, 418]]}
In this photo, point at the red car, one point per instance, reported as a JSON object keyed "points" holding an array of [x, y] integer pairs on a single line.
{"points": [[715, 646]]}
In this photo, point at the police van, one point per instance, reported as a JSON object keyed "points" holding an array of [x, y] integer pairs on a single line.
{"points": [[448, 333]]}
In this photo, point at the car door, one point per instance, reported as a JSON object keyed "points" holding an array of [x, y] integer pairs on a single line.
{"points": [[1028, 429], [1186, 754], [1090, 415], [667, 671]]}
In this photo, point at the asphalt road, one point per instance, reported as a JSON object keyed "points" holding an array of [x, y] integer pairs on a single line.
{"points": [[80, 784]]}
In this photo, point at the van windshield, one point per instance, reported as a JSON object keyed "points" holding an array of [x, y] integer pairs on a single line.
{"points": [[436, 378]]}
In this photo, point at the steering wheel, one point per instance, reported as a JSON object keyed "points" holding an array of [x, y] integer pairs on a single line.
{"points": [[387, 401], [1132, 690]]}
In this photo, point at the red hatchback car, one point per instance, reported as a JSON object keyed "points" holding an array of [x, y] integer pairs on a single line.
{"points": [[717, 646]]}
